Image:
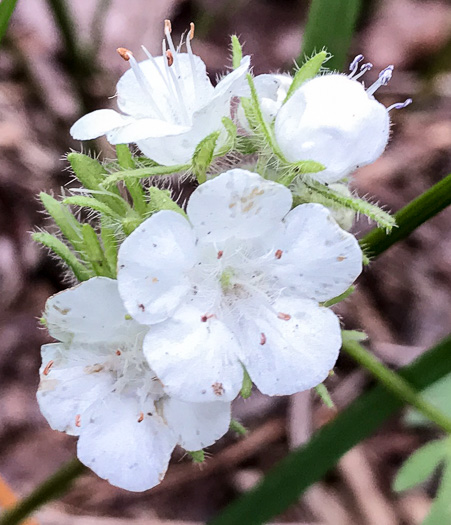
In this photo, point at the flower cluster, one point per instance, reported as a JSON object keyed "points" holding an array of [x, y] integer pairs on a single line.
{"points": [[176, 308]]}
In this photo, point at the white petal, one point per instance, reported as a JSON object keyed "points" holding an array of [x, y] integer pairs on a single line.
{"points": [[233, 83], [98, 123], [197, 425], [237, 204], [144, 128], [332, 120], [70, 383], [291, 348], [130, 454], [319, 260], [194, 359], [152, 264], [90, 312]]}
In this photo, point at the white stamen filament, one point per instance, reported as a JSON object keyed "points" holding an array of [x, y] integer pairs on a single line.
{"points": [[167, 32], [191, 57], [384, 77], [363, 70], [400, 105], [176, 84], [354, 65]]}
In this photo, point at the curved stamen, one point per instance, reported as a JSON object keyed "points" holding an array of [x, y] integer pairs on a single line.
{"points": [[167, 32], [400, 105], [141, 78], [354, 65], [363, 70], [171, 76], [189, 37], [384, 77]]}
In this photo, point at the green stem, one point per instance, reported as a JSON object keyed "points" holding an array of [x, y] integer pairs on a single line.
{"points": [[427, 205], [395, 383], [52, 487]]}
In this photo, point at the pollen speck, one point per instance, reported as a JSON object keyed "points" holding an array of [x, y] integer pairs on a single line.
{"points": [[220, 254], [118, 352], [284, 317], [262, 338], [48, 367], [78, 421], [142, 307], [341, 258], [124, 53], [155, 280], [170, 57], [218, 389], [141, 417], [278, 254]]}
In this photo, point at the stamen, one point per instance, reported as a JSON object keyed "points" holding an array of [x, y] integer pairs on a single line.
{"points": [[363, 70], [124, 53], [384, 77], [262, 338], [78, 421], [142, 81], [284, 317], [170, 57], [191, 56], [354, 65], [400, 105], [171, 75], [191, 30], [47, 368], [154, 62], [167, 32]]}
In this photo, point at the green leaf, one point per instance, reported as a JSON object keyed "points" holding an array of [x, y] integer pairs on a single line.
{"points": [[420, 466], [64, 253], [161, 200], [330, 25], [427, 205], [283, 485], [437, 395], [92, 203], [198, 456], [246, 388], [440, 512], [6, 10], [203, 156], [307, 71], [237, 52], [331, 198], [142, 173], [66, 222], [323, 393], [92, 252], [237, 427]]}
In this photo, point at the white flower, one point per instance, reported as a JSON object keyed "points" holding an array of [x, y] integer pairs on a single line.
{"points": [[169, 104], [333, 120], [96, 384], [272, 90], [238, 284]]}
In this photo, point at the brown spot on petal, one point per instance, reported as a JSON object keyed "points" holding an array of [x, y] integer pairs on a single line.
{"points": [[142, 307], [47, 368], [124, 53], [232, 205], [220, 254], [78, 421], [155, 280], [278, 254], [218, 389], [262, 338], [93, 369], [118, 352], [141, 417], [248, 207], [341, 258], [284, 317], [206, 317]]}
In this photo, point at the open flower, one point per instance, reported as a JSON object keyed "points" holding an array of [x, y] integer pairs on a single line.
{"points": [[168, 102], [238, 284], [96, 384], [334, 120]]}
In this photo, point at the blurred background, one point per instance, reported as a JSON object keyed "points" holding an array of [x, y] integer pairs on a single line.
{"points": [[49, 77]]}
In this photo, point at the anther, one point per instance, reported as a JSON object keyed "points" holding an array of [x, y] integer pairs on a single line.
{"points": [[366, 67], [141, 417], [400, 105], [278, 254], [262, 338], [384, 77], [167, 26], [48, 367], [191, 31], [220, 254], [124, 53], [78, 421], [284, 317], [354, 65], [170, 57]]}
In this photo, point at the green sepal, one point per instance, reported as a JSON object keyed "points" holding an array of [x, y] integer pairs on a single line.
{"points": [[198, 456], [203, 155], [307, 71], [302, 167], [134, 187], [232, 133], [354, 335], [246, 145], [420, 465], [93, 253], [340, 297], [91, 203], [110, 247], [237, 52], [246, 388], [237, 427], [64, 253], [331, 198], [66, 222], [142, 173], [124, 157], [440, 512], [323, 393], [161, 200]]}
